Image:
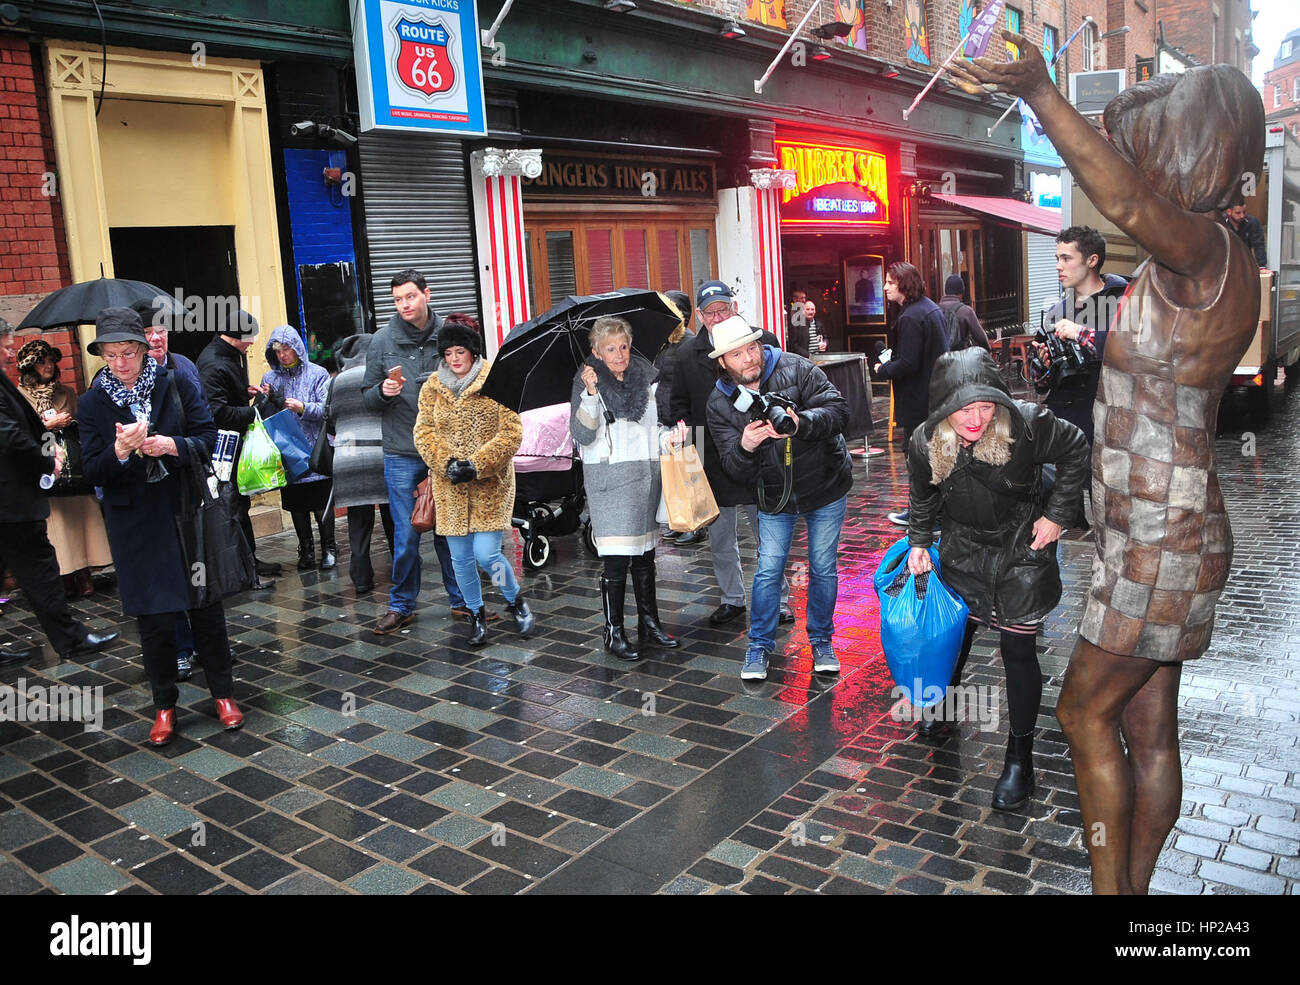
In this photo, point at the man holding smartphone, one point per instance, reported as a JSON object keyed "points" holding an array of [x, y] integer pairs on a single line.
{"points": [[400, 358]]}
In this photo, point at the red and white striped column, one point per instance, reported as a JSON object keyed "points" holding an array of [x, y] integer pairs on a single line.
{"points": [[769, 288], [501, 249]]}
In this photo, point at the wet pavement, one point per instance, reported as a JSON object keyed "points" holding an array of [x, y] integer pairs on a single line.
{"points": [[413, 764]]}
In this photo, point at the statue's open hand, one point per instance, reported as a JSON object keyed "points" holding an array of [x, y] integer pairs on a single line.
{"points": [[1025, 77]]}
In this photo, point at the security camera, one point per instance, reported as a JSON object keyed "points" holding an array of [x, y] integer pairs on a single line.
{"points": [[340, 137], [304, 128], [889, 4]]}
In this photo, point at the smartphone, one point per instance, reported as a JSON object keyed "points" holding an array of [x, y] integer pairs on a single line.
{"points": [[395, 373]]}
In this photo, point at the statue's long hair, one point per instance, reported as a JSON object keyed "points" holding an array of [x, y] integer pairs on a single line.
{"points": [[1195, 136]]}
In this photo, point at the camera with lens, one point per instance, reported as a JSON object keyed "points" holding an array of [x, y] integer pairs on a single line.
{"points": [[1064, 358], [770, 407]]}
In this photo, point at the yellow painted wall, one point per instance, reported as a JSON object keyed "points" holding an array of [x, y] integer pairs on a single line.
{"points": [[166, 164], [179, 141]]}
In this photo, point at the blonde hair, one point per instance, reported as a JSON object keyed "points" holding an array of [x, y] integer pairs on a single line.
{"points": [[606, 326], [945, 444]]}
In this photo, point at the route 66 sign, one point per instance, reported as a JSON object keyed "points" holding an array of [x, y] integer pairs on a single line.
{"points": [[423, 64], [419, 66]]}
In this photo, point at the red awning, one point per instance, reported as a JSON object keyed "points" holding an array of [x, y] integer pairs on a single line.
{"points": [[1031, 217]]}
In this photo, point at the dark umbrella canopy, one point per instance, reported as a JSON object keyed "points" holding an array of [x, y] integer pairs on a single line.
{"points": [[537, 361], [80, 304]]}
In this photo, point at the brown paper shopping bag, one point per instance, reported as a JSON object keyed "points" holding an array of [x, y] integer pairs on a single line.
{"points": [[687, 494]]}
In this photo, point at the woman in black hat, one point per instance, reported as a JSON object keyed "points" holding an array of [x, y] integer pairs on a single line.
{"points": [[76, 526], [469, 441], [137, 439]]}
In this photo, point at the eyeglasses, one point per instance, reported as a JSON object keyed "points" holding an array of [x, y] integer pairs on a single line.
{"points": [[118, 357], [716, 312]]}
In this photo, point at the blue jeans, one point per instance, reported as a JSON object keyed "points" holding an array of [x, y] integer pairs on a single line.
{"points": [[481, 550], [402, 475], [775, 530]]}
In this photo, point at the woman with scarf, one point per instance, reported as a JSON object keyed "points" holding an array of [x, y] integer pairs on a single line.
{"points": [[76, 526], [614, 417], [469, 443], [142, 428], [304, 386]]}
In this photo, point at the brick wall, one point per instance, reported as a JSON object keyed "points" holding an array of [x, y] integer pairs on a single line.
{"points": [[1288, 112], [33, 249], [1192, 26]]}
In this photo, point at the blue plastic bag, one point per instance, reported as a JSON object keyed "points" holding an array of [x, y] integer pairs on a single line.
{"points": [[289, 437], [922, 622]]}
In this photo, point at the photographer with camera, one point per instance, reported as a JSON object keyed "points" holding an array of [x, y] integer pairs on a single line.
{"points": [[777, 422], [1066, 362]]}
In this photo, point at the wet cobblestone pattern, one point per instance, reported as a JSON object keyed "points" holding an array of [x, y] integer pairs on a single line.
{"points": [[417, 765]]}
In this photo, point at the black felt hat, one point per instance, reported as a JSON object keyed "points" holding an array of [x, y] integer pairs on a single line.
{"points": [[117, 325]]}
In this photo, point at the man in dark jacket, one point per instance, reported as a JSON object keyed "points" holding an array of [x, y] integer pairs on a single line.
{"points": [[692, 382], [27, 454], [1248, 228], [223, 371], [964, 328], [401, 357], [920, 338], [796, 462]]}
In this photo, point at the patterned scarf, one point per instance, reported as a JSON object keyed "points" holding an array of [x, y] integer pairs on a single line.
{"points": [[138, 394], [42, 393]]}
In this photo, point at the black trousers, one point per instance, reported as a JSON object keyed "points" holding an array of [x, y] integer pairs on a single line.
{"points": [[211, 647], [361, 526], [26, 550]]}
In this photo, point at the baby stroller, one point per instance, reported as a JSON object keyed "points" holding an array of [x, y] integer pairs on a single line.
{"points": [[549, 498]]}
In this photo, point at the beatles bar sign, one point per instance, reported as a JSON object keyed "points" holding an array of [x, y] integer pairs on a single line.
{"points": [[836, 185], [418, 66]]}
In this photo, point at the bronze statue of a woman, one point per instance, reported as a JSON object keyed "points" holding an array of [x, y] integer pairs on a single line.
{"points": [[1180, 148]]}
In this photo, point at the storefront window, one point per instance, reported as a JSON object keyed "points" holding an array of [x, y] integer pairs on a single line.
{"points": [[634, 256], [670, 262], [600, 260], [701, 258], [560, 268]]}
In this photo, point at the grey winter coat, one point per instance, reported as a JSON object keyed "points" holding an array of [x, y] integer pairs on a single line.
{"points": [[417, 353], [987, 496], [358, 431], [306, 382], [620, 461]]}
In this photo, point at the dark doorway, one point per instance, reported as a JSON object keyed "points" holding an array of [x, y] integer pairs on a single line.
{"points": [[196, 263]]}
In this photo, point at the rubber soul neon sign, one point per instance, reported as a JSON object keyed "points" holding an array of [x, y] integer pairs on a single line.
{"points": [[835, 184]]}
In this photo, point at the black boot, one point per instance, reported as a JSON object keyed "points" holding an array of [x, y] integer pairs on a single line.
{"points": [[306, 544], [477, 627], [524, 618], [647, 609], [612, 594], [1017, 780]]}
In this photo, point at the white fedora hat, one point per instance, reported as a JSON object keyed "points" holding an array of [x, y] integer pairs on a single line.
{"points": [[732, 333]]}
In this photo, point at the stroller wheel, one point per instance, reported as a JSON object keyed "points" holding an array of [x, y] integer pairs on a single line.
{"points": [[588, 538], [537, 552]]}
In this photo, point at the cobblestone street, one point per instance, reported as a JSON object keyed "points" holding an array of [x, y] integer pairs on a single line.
{"points": [[414, 764]]}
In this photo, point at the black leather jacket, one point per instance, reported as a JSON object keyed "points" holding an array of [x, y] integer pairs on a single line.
{"points": [[821, 469], [986, 511]]}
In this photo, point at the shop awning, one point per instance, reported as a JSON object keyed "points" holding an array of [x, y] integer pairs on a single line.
{"points": [[1031, 217]]}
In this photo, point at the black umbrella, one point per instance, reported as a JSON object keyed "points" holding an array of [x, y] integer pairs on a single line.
{"points": [[537, 361], [80, 304]]}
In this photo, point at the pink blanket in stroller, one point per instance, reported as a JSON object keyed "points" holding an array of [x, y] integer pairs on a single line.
{"points": [[547, 444]]}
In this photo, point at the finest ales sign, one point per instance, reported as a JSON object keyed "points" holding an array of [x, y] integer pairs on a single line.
{"points": [[418, 66], [592, 176]]}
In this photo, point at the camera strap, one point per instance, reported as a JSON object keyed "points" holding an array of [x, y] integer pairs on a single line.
{"points": [[788, 485]]}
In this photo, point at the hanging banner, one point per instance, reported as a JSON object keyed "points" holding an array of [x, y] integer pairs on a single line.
{"points": [[982, 30], [418, 66]]}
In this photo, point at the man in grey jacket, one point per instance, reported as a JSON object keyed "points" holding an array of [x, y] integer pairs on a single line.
{"points": [[401, 357]]}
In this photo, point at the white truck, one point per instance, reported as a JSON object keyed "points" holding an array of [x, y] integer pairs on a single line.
{"points": [[1277, 206]]}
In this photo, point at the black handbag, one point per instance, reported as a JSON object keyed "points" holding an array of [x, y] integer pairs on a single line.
{"points": [[218, 557], [322, 452]]}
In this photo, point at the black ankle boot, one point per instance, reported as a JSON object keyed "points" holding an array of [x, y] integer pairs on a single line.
{"points": [[477, 627], [329, 557], [612, 595], [647, 609], [524, 618], [1016, 783]]}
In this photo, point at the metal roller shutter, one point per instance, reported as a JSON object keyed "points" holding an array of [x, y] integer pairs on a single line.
{"points": [[1044, 286], [419, 214]]}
